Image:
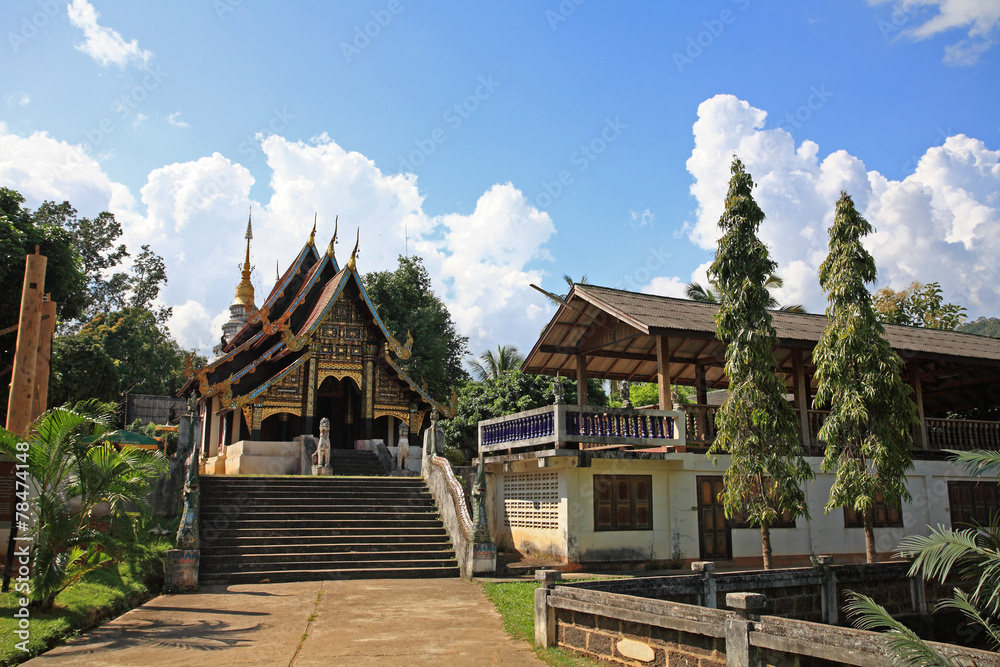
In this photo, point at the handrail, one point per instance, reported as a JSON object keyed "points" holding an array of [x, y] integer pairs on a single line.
{"points": [[586, 425], [457, 494], [187, 531]]}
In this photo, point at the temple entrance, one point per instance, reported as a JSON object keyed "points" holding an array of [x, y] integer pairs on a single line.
{"points": [[280, 427], [340, 402]]}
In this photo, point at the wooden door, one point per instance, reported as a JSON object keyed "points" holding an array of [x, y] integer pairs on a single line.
{"points": [[714, 534]]}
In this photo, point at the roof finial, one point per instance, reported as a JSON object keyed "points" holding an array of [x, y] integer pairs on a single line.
{"points": [[277, 274], [353, 261], [248, 236], [244, 291], [312, 235], [329, 248]]}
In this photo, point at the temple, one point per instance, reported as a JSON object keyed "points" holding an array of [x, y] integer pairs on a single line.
{"points": [[315, 348]]}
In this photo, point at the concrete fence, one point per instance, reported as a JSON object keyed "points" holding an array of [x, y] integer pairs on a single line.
{"points": [[642, 621]]}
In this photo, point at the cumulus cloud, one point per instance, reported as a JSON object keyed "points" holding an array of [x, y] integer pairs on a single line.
{"points": [[21, 99], [195, 214], [979, 18], [104, 44], [641, 218], [942, 222], [175, 120]]}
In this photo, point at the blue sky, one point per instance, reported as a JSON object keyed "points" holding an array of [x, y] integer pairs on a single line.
{"points": [[510, 143]]}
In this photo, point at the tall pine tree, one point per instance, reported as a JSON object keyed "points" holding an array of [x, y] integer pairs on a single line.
{"points": [[756, 425], [860, 379]]}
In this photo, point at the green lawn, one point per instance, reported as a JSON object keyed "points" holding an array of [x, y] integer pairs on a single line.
{"points": [[99, 596], [515, 601]]}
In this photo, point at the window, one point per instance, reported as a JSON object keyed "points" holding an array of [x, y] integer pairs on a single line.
{"points": [[884, 515], [623, 502], [972, 502]]}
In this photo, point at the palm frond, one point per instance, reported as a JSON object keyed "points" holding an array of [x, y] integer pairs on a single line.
{"points": [[936, 554], [963, 603], [977, 461], [901, 642]]}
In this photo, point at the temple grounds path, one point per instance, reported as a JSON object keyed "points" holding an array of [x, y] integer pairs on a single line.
{"points": [[369, 622]]}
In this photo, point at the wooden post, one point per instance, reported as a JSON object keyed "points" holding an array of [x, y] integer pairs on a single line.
{"points": [[802, 396], [581, 379], [701, 422], [22, 385], [921, 431], [663, 372], [43, 359]]}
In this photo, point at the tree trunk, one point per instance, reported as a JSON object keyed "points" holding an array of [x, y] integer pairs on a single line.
{"points": [[870, 553], [765, 543]]}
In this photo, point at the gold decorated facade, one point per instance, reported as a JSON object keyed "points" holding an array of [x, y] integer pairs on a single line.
{"points": [[315, 348]]}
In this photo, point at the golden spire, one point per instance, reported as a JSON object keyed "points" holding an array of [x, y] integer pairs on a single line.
{"points": [[353, 261], [329, 248], [277, 274], [244, 291], [312, 236]]}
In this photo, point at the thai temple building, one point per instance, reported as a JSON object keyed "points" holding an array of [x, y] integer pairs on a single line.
{"points": [[315, 348]]}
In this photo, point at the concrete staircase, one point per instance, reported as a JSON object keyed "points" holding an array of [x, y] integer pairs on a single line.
{"points": [[272, 529], [354, 462]]}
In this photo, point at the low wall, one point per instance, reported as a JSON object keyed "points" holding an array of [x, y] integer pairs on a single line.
{"points": [[629, 622], [255, 457], [450, 500]]}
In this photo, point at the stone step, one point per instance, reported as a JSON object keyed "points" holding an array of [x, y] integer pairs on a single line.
{"points": [[328, 575], [312, 528], [224, 505], [244, 562], [354, 531], [326, 547]]}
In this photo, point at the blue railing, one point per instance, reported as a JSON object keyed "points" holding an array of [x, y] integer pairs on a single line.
{"points": [[582, 427]]}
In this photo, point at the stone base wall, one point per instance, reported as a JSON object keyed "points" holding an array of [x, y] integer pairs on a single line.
{"points": [[604, 638]]}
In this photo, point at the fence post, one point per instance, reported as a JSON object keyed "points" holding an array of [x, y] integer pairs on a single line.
{"points": [[708, 590], [738, 626], [545, 618]]}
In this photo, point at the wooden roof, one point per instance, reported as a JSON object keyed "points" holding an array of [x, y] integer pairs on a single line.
{"points": [[616, 331]]}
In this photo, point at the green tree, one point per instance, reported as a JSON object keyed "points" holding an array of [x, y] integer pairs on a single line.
{"points": [[860, 381], [64, 466], [82, 369], [696, 292], [756, 425], [21, 231], [918, 305], [984, 326], [404, 300], [974, 551], [507, 358]]}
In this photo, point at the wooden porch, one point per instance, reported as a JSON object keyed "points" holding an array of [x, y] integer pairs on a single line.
{"points": [[614, 335]]}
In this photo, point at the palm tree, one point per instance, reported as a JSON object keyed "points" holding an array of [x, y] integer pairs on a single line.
{"points": [[696, 292], [64, 466], [507, 358], [976, 551]]}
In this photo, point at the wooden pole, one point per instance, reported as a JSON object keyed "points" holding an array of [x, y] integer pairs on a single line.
{"points": [[43, 360], [663, 372], [802, 397], [581, 379], [919, 395], [22, 385]]}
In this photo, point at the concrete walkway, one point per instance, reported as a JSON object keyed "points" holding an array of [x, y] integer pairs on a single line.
{"points": [[373, 622]]}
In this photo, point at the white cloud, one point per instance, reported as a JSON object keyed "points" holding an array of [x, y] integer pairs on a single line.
{"points": [[175, 120], [21, 99], [195, 214], [942, 222], [666, 286], [139, 119], [104, 44], [641, 219], [980, 18]]}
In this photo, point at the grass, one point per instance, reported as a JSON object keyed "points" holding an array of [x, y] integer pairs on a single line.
{"points": [[100, 595], [515, 601]]}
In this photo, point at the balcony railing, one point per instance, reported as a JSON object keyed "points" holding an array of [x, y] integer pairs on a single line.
{"points": [[584, 427], [941, 433]]}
